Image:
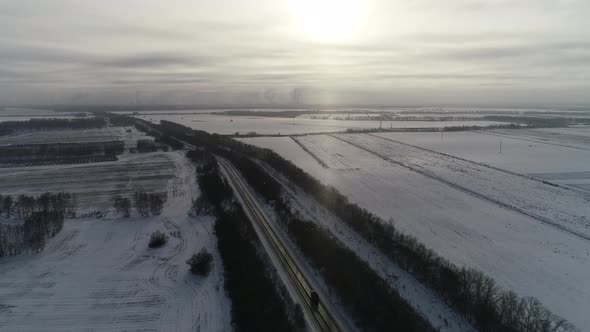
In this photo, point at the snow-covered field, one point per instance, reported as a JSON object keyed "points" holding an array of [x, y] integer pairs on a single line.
{"points": [[564, 159], [128, 134], [561, 138], [521, 253], [29, 117], [426, 303], [223, 124], [101, 275], [566, 209], [340, 116], [94, 184], [27, 114]]}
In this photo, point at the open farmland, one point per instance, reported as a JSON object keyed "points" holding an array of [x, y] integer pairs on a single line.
{"points": [[229, 125], [571, 139], [27, 114], [560, 160], [128, 134], [521, 253], [100, 274], [559, 207], [94, 184]]}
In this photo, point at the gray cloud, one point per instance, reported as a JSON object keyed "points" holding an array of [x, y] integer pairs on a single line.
{"points": [[157, 60], [252, 51]]}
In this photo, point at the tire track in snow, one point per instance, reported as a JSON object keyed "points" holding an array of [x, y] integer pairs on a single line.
{"points": [[107, 285]]}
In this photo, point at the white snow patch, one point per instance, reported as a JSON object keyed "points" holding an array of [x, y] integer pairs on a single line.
{"points": [[425, 302], [520, 253], [101, 275]]}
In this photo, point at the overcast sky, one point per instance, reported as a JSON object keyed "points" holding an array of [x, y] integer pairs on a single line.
{"points": [[423, 52]]}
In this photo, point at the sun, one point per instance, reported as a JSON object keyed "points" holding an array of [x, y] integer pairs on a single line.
{"points": [[329, 20]]}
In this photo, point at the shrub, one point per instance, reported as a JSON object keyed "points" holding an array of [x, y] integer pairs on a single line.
{"points": [[200, 263], [158, 239]]}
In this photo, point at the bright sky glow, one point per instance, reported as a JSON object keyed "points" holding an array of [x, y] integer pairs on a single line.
{"points": [[265, 52], [329, 20]]}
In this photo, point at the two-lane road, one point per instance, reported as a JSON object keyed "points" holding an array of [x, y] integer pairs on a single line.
{"points": [[319, 317]]}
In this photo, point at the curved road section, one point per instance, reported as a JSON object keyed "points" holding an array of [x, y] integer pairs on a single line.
{"points": [[319, 315]]}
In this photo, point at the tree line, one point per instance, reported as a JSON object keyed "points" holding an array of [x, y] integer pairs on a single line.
{"points": [[43, 218], [9, 127], [366, 296], [143, 202], [23, 206], [538, 122], [147, 145], [60, 150], [259, 301], [470, 292], [371, 302]]}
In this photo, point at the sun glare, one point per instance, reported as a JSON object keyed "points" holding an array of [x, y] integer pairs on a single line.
{"points": [[329, 20]]}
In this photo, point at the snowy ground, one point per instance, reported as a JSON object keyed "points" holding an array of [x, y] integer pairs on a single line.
{"points": [[519, 252], [128, 134], [222, 124], [27, 114], [558, 155], [340, 116], [572, 140], [100, 274], [425, 302], [94, 184], [29, 117], [566, 209]]}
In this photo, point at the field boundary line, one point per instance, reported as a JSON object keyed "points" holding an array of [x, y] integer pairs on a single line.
{"points": [[497, 134], [526, 176], [313, 155], [470, 192]]}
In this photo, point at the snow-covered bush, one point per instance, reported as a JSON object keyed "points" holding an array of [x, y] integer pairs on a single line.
{"points": [[158, 239], [200, 263]]}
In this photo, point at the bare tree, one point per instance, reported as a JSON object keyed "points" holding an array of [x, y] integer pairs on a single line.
{"points": [[123, 206], [7, 205], [156, 203], [141, 203], [72, 205]]}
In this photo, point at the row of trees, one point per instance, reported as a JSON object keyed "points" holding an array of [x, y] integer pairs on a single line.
{"points": [[9, 127], [471, 293], [144, 203], [60, 150], [42, 225], [43, 218], [366, 296], [259, 301], [371, 302], [24, 206], [539, 122], [146, 145]]}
